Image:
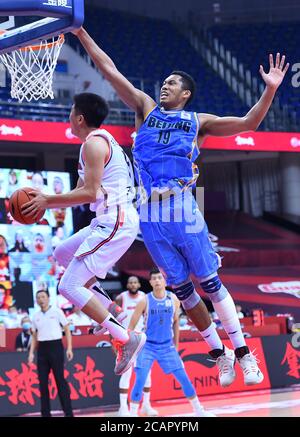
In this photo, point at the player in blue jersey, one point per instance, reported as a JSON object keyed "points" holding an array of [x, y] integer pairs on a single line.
{"points": [[160, 310], [174, 231]]}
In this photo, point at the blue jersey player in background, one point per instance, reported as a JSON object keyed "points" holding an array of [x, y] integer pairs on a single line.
{"points": [[160, 309], [174, 231]]}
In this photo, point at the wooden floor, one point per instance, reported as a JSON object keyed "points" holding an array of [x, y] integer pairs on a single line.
{"points": [[261, 403]]}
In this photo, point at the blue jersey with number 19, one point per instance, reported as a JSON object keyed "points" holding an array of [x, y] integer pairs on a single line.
{"points": [[165, 149]]}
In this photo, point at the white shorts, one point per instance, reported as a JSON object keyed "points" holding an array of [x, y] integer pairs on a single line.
{"points": [[101, 244]]}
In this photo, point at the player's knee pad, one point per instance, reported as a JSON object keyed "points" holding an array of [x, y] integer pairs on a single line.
{"points": [[187, 295], [125, 379], [214, 288], [71, 288], [61, 256]]}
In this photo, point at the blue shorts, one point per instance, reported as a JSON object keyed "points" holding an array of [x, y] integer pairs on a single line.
{"points": [[176, 237], [165, 354]]}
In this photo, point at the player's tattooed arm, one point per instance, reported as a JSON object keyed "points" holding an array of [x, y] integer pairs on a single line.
{"points": [[138, 312], [224, 126], [134, 98]]}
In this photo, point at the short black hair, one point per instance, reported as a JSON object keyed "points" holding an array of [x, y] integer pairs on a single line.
{"points": [[188, 83], [93, 108], [42, 291], [154, 271], [133, 276]]}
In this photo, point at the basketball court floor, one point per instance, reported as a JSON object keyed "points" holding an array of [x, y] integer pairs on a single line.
{"points": [[258, 403]]}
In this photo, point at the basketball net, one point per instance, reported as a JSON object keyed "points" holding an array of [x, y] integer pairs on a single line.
{"points": [[31, 69]]}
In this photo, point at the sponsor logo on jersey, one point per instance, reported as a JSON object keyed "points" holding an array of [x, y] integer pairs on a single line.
{"points": [[156, 123], [186, 115]]}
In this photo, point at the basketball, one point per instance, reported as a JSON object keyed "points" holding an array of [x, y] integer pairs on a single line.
{"points": [[17, 200]]}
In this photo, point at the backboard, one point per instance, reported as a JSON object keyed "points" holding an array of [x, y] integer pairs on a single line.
{"points": [[7, 22], [40, 20]]}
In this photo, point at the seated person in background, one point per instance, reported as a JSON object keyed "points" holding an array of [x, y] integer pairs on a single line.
{"points": [[239, 311], [59, 236], [12, 319], [23, 339], [39, 244], [183, 322], [58, 185], [37, 181], [78, 318], [19, 244]]}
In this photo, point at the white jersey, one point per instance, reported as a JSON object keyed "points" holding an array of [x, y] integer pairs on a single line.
{"points": [[128, 305], [117, 185]]}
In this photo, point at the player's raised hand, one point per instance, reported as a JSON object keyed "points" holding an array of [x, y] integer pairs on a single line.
{"points": [[277, 72]]}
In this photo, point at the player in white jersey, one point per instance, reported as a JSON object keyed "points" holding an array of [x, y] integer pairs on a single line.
{"points": [[128, 301], [106, 182]]}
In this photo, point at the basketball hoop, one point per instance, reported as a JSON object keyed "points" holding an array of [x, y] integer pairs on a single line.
{"points": [[31, 69]]}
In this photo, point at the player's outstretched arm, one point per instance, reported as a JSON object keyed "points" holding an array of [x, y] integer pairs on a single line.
{"points": [[134, 98], [223, 126]]}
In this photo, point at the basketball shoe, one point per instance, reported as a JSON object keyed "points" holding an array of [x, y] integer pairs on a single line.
{"points": [[127, 352], [147, 410], [248, 363], [225, 361]]}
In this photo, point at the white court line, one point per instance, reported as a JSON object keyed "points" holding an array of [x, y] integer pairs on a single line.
{"points": [[240, 408]]}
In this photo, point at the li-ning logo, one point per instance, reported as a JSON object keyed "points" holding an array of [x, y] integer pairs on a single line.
{"points": [[240, 141], [295, 142], [61, 3], [8, 130], [186, 115]]}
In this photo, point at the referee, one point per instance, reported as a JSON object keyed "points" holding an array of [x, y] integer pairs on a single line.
{"points": [[46, 334]]}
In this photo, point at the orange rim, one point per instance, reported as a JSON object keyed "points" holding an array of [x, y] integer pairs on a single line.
{"points": [[60, 40]]}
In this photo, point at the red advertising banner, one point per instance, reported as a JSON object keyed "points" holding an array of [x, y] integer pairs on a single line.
{"points": [[91, 381], [203, 373], [256, 142], [60, 133]]}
